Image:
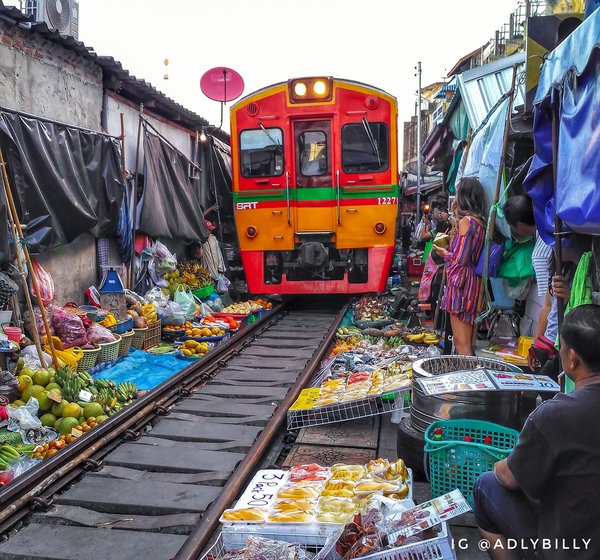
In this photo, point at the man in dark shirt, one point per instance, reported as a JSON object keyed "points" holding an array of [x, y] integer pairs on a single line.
{"points": [[546, 494]]}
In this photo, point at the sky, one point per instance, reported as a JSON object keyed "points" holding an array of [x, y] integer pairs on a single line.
{"points": [[377, 42]]}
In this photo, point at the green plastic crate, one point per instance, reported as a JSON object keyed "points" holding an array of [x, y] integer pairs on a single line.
{"points": [[455, 463], [202, 293]]}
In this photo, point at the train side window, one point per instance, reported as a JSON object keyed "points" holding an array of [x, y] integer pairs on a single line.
{"points": [[312, 148], [261, 152], [365, 147]]}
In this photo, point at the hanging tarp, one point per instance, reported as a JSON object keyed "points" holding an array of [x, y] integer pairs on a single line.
{"points": [[220, 179], [570, 80], [170, 206], [66, 181], [483, 159]]}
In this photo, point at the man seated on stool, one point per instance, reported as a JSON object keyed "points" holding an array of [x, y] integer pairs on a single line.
{"points": [[549, 486]]}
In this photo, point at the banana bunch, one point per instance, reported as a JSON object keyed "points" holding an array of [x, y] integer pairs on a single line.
{"points": [[63, 374], [71, 389], [423, 338], [109, 321], [107, 398], [126, 392], [105, 384], [149, 313]]}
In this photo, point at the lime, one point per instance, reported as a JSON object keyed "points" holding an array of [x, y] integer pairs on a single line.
{"points": [[48, 420], [92, 409], [51, 386], [44, 401], [41, 377], [57, 409], [101, 418], [66, 425]]}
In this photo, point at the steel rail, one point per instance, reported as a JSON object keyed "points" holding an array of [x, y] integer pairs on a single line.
{"points": [[24, 490], [202, 533]]}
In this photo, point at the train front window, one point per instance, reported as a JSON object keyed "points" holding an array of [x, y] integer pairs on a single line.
{"points": [[261, 152], [312, 148], [365, 147]]}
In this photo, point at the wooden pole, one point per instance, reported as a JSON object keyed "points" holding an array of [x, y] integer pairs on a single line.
{"points": [[14, 217], [491, 226], [134, 201], [34, 332], [557, 221]]}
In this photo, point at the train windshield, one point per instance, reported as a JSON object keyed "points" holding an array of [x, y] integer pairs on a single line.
{"points": [[365, 147], [261, 152]]}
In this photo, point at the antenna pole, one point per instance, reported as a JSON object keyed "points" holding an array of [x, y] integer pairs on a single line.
{"points": [[419, 143]]}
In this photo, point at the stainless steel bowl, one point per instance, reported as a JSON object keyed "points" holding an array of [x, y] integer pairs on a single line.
{"points": [[501, 407]]}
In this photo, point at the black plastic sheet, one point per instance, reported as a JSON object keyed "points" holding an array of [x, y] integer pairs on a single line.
{"points": [[171, 206], [66, 181], [220, 176]]}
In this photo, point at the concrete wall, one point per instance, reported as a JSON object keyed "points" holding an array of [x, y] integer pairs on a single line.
{"points": [[46, 80]]}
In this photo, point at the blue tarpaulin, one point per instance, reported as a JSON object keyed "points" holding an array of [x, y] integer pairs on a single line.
{"points": [[570, 80], [146, 370]]}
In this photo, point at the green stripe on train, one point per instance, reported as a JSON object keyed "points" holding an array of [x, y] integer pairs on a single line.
{"points": [[326, 193]]}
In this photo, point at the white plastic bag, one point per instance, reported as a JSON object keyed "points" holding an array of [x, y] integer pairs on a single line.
{"points": [[223, 284], [161, 262], [183, 296], [157, 297], [173, 315], [26, 415]]}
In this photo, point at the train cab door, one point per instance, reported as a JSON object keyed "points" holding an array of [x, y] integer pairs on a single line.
{"points": [[312, 179]]}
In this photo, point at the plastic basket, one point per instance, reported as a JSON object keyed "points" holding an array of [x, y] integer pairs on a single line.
{"points": [[90, 357], [455, 463], [125, 343], [201, 293], [122, 327], [152, 337], [109, 350], [138, 338]]}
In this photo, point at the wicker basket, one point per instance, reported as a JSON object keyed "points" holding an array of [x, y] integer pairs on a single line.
{"points": [[139, 336], [110, 350], [125, 343], [152, 337], [90, 357]]}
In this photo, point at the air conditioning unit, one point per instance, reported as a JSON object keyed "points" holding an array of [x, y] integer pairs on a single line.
{"points": [[61, 15]]}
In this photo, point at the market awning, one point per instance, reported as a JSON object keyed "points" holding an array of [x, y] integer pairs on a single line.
{"points": [[569, 88], [482, 87], [571, 56], [426, 188]]}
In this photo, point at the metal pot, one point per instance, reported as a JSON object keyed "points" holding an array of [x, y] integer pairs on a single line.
{"points": [[501, 407]]}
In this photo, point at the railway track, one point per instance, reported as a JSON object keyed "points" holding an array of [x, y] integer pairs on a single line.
{"points": [[151, 483]]}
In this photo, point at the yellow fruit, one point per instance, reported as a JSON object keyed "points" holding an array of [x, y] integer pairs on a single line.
{"points": [[187, 352], [25, 381], [189, 333], [190, 344], [72, 410]]}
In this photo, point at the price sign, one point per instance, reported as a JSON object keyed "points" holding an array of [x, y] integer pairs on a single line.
{"points": [[307, 399]]}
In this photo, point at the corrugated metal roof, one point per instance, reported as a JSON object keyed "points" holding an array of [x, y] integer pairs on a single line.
{"points": [[482, 87], [130, 87]]}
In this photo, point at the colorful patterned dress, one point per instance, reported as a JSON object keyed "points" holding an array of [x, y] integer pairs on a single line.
{"points": [[462, 284]]}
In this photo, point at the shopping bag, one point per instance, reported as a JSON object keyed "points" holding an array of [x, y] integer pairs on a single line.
{"points": [[183, 297], [44, 281]]}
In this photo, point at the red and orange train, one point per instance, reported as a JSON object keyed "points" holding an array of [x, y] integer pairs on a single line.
{"points": [[315, 181]]}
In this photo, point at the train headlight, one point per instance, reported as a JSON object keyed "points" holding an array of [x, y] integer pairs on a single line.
{"points": [[320, 87], [251, 232], [379, 227], [310, 90], [300, 89]]}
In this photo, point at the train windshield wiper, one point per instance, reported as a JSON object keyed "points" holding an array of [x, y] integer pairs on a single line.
{"points": [[371, 138], [275, 142]]}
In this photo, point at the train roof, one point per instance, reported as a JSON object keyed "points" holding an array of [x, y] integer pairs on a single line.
{"points": [[336, 80]]}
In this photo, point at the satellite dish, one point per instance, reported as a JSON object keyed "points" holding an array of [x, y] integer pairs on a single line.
{"points": [[221, 84]]}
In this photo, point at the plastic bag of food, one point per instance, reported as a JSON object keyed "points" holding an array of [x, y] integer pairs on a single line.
{"points": [[183, 296], [157, 297], [26, 416], [173, 314], [97, 334], [69, 328], [161, 262], [9, 386], [44, 281]]}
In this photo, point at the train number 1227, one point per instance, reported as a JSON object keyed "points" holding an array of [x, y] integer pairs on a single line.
{"points": [[387, 200]]}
